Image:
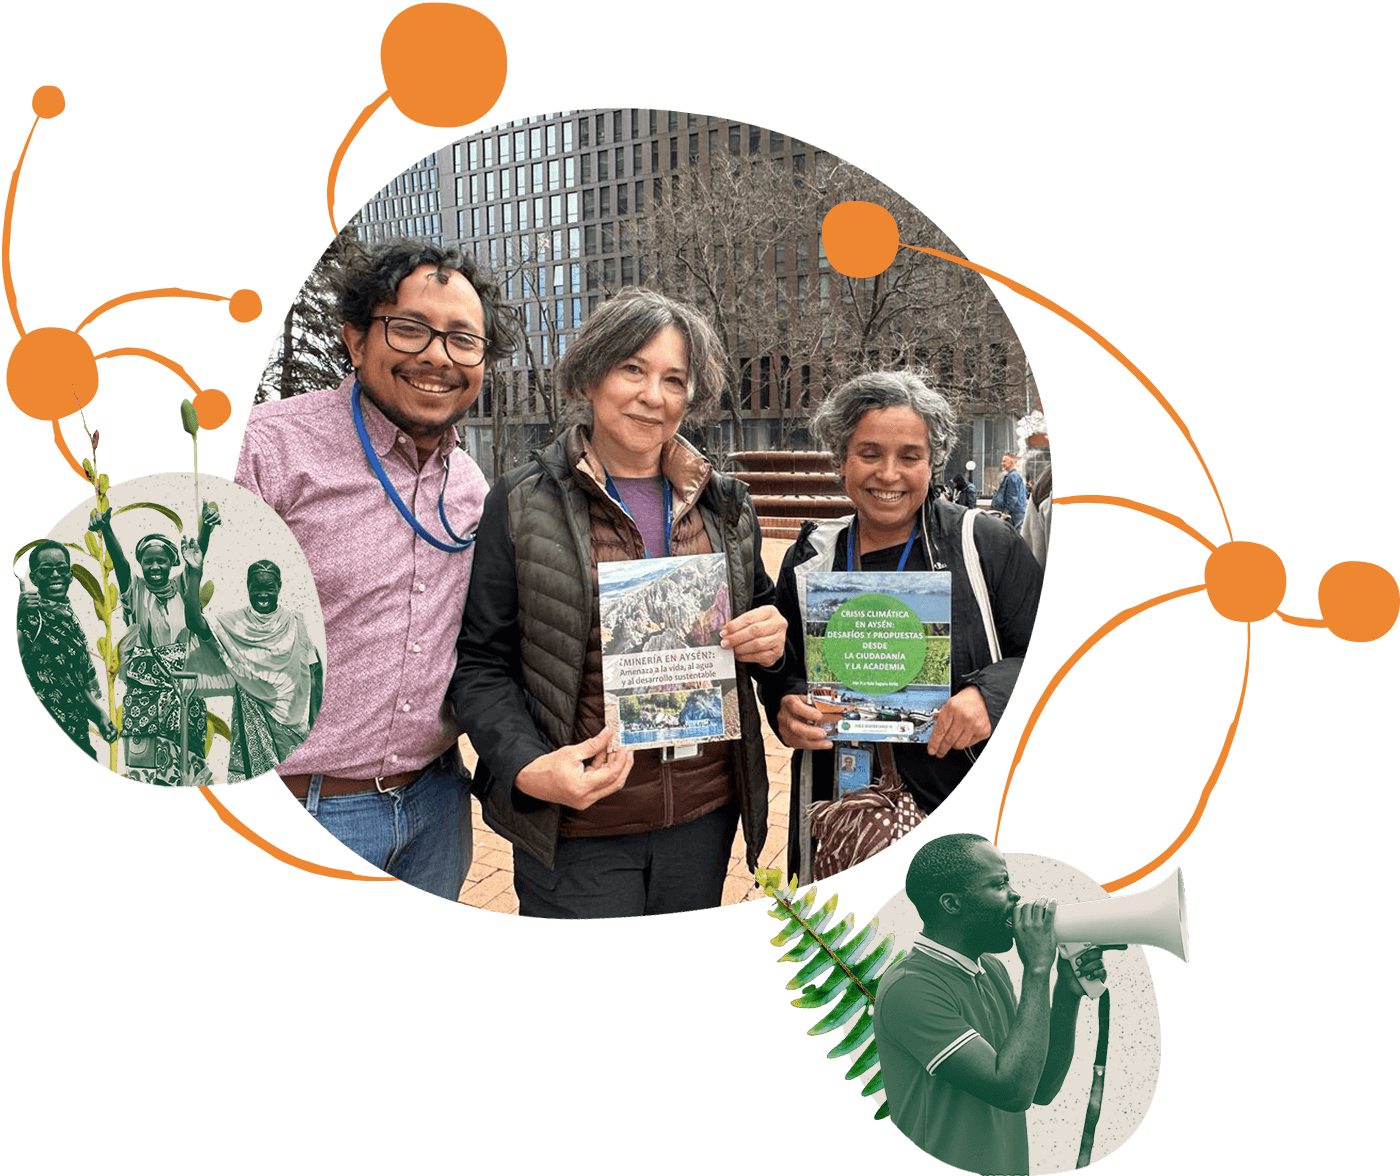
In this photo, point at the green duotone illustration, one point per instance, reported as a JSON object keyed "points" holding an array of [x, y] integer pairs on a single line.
{"points": [[874, 643]]}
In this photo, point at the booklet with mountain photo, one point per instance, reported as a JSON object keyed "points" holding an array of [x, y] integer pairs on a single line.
{"points": [[665, 678], [878, 652]]}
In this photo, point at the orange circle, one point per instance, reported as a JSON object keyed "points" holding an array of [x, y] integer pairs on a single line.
{"points": [[245, 306], [52, 373], [860, 238], [434, 94], [1359, 601], [48, 101], [212, 408], [1245, 581]]}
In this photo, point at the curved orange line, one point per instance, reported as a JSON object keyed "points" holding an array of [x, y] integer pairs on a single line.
{"points": [[1165, 855], [340, 154], [160, 359], [1075, 320], [1094, 639], [280, 854], [1306, 622], [1106, 500], [68, 453], [168, 292], [5, 236]]}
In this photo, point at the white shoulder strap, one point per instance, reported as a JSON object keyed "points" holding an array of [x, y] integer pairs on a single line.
{"points": [[979, 585]]}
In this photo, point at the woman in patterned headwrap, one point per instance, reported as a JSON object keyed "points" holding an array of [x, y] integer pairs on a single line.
{"points": [[157, 645], [54, 650], [275, 667]]}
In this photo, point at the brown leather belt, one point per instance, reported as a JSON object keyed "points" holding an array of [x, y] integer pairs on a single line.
{"points": [[300, 786]]}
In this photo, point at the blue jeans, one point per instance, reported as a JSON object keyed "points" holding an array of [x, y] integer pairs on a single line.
{"points": [[421, 834]]}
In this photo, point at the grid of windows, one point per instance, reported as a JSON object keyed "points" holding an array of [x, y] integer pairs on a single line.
{"points": [[550, 203]]}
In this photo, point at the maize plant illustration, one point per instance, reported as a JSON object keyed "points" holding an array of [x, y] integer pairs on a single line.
{"points": [[852, 980], [106, 599]]}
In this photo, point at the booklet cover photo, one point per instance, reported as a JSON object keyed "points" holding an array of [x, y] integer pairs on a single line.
{"points": [[665, 678], [878, 652]]}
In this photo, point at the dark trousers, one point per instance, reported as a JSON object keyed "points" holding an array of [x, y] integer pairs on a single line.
{"points": [[657, 873]]}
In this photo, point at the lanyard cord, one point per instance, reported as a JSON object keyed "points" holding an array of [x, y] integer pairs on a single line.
{"points": [[851, 545], [459, 543], [613, 493]]}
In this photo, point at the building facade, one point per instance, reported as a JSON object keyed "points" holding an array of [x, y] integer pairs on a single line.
{"points": [[567, 208]]}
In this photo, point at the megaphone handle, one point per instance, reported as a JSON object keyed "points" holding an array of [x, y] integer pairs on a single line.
{"points": [[1093, 989]]}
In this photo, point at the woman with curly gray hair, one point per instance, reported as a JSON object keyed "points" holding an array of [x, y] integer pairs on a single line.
{"points": [[889, 435], [620, 484]]}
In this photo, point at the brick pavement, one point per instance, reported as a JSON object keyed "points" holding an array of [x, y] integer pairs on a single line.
{"points": [[489, 884]]}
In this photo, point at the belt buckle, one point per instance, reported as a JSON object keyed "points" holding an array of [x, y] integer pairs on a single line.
{"points": [[379, 786]]}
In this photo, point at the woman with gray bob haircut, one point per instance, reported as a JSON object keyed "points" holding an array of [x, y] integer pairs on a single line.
{"points": [[619, 484], [619, 328], [890, 435]]}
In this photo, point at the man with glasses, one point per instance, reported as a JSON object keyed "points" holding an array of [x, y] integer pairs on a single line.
{"points": [[369, 478]]}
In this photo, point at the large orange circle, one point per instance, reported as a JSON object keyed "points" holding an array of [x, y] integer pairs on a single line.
{"points": [[52, 373], [860, 239], [417, 55], [1245, 581], [1359, 601]]}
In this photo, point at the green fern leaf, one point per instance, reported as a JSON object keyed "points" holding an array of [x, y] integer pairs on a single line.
{"points": [[851, 968]]}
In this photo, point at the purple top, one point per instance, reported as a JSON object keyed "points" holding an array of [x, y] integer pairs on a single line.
{"points": [[392, 602], [645, 502]]}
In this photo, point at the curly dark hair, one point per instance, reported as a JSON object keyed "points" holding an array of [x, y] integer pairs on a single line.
{"points": [[372, 277], [942, 866]]}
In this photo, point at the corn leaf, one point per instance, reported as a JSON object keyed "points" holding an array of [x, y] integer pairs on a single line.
{"points": [[94, 589], [206, 593], [165, 510], [33, 543], [215, 726]]}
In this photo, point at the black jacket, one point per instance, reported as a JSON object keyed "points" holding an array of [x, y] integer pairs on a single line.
{"points": [[525, 630], [1013, 579]]}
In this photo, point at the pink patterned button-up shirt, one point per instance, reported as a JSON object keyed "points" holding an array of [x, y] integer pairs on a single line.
{"points": [[392, 602]]}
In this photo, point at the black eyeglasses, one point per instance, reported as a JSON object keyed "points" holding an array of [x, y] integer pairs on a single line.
{"points": [[410, 336], [52, 571]]}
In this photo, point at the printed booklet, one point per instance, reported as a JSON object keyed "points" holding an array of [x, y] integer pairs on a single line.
{"points": [[665, 678], [878, 664]]}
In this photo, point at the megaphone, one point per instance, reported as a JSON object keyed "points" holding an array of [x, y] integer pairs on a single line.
{"points": [[1156, 917]]}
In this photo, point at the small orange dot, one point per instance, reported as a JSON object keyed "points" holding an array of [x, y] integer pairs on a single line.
{"points": [[1359, 601], [212, 408], [1245, 581], [52, 373], [436, 93], [860, 238], [245, 306], [48, 101]]}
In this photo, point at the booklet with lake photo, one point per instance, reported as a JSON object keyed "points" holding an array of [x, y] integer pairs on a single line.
{"points": [[878, 664], [665, 678]]}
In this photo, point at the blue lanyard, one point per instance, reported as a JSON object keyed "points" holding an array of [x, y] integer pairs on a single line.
{"points": [[666, 497], [851, 546], [377, 466]]}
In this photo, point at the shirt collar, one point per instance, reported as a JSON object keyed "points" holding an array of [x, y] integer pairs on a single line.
{"points": [[940, 951], [383, 433]]}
